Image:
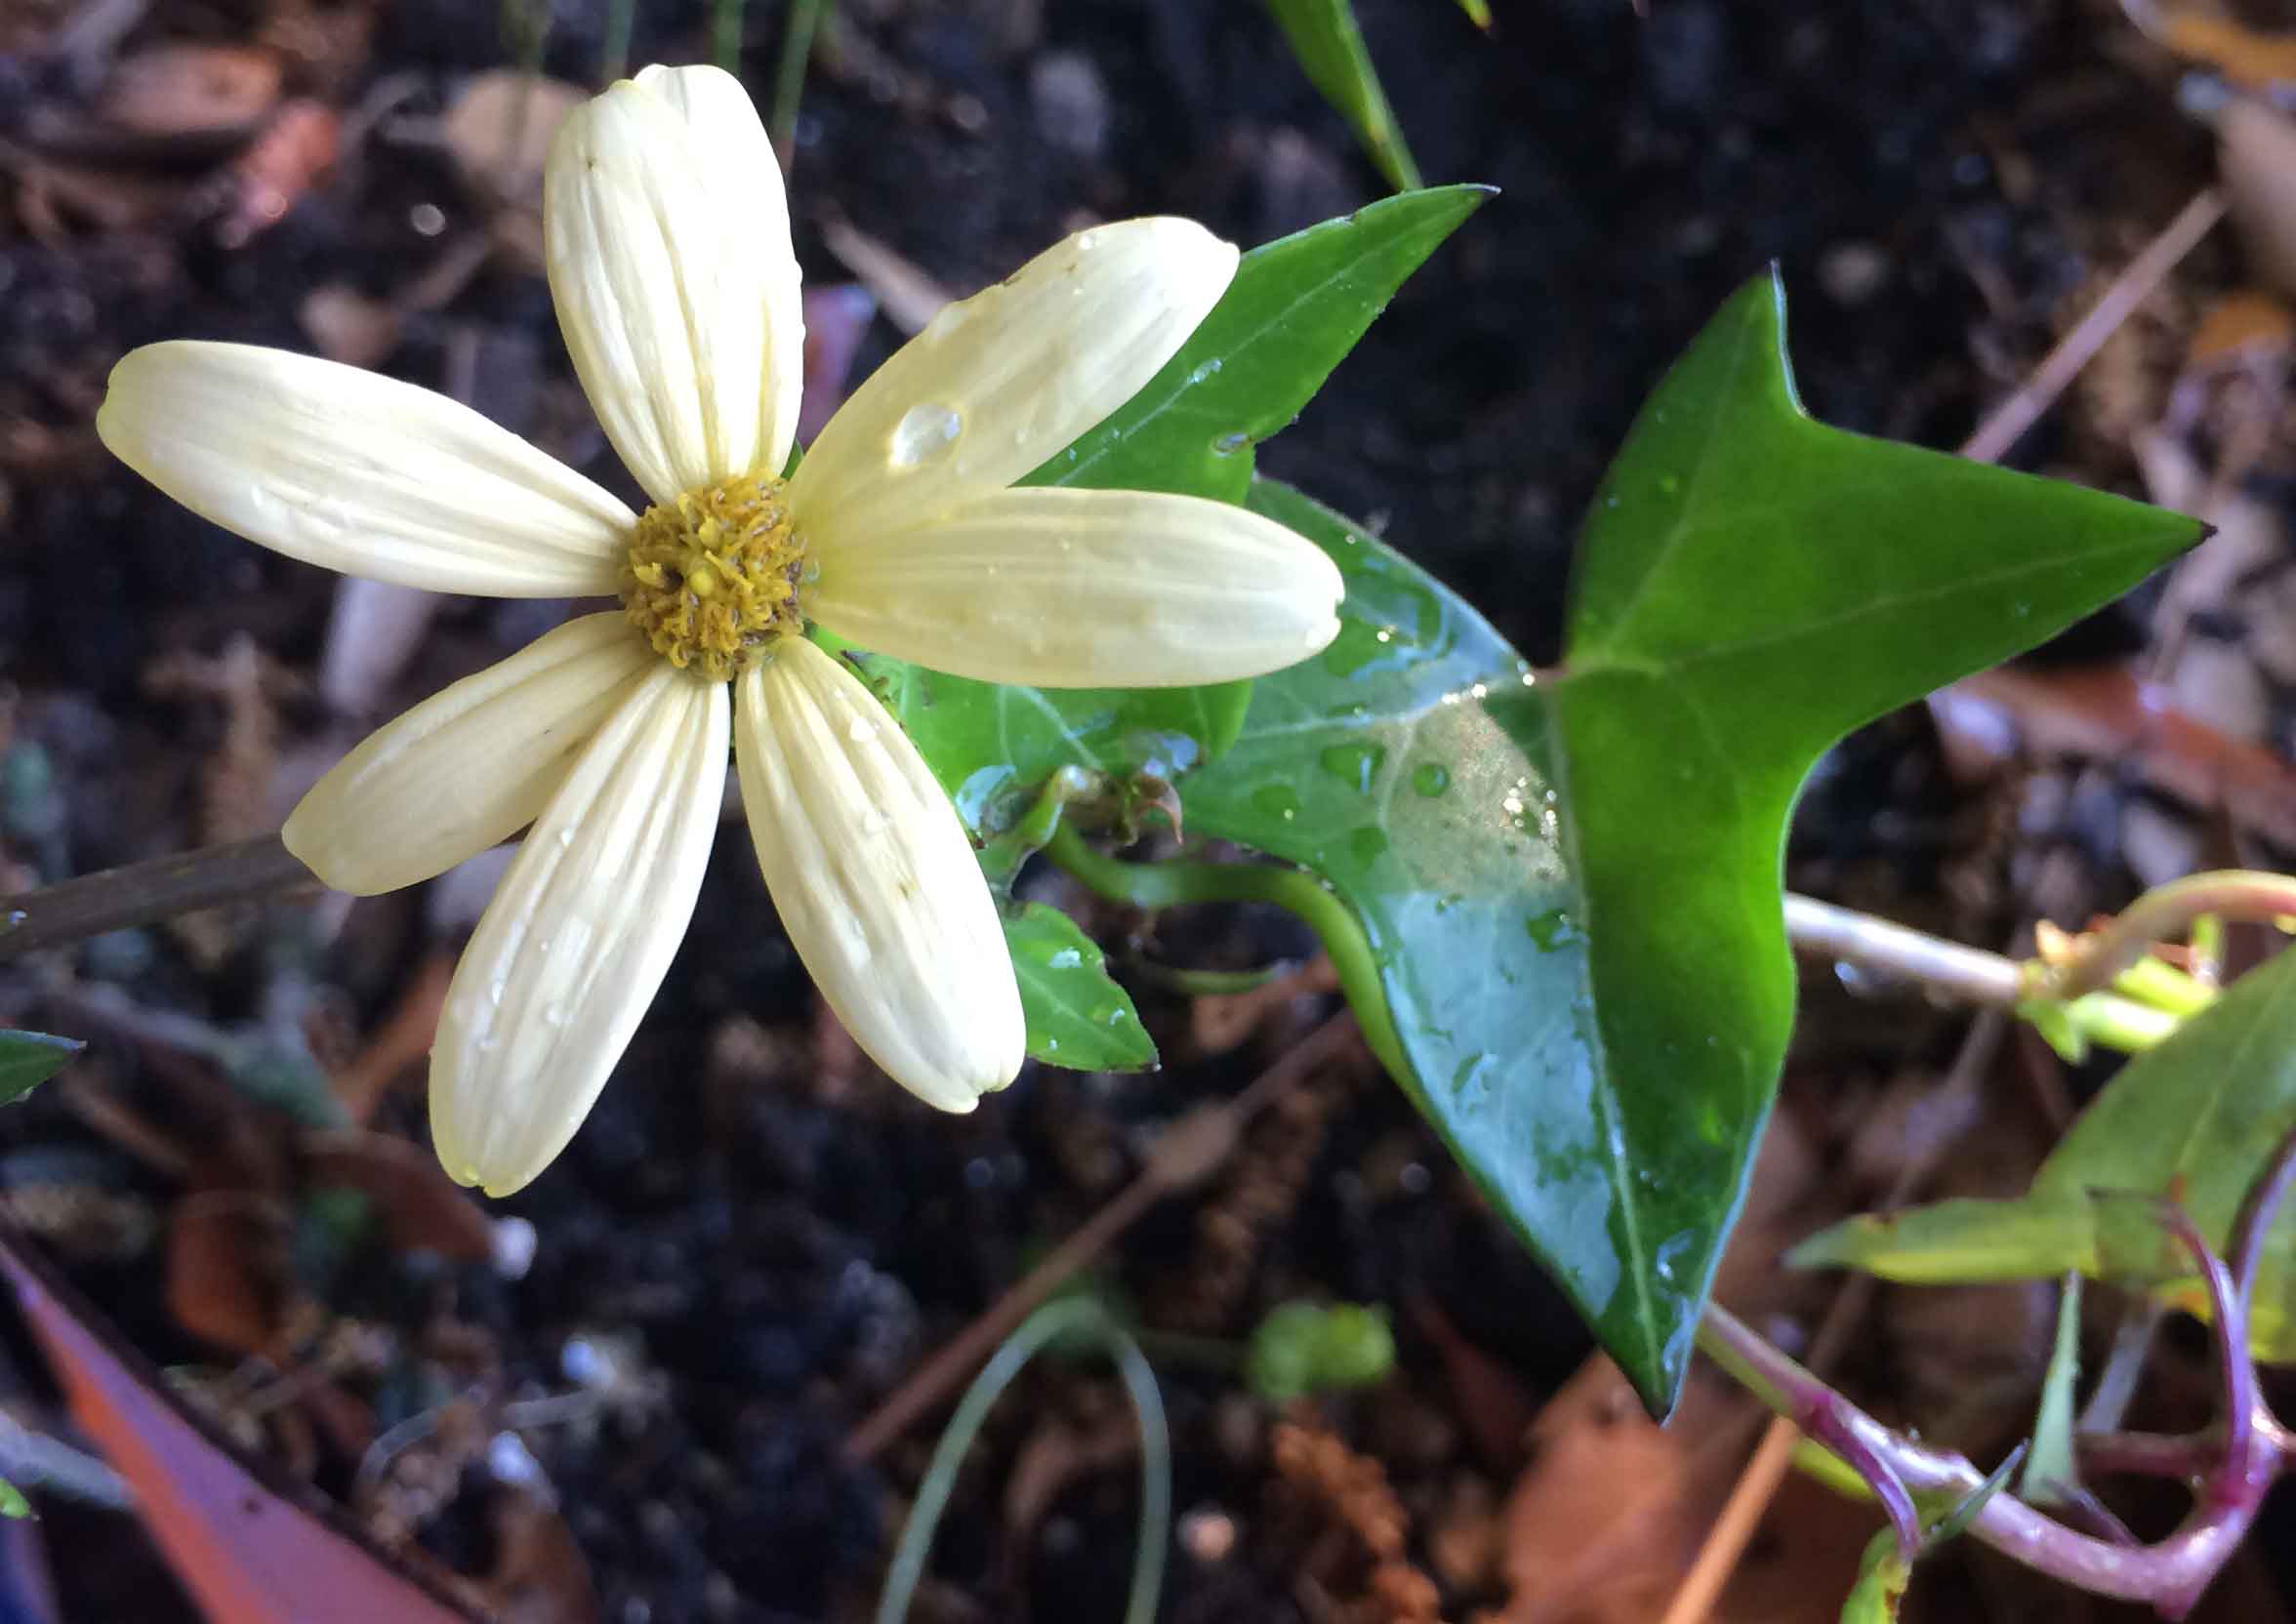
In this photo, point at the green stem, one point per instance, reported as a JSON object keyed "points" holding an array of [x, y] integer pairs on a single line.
{"points": [[1003, 857], [1169, 884], [614, 54], [725, 35], [1076, 1316], [789, 74]]}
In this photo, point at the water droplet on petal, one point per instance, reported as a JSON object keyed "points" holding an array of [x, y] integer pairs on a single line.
{"points": [[925, 432]]}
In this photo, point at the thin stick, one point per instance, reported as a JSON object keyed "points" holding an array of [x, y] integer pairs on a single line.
{"points": [[2007, 422], [143, 892], [933, 1381]]}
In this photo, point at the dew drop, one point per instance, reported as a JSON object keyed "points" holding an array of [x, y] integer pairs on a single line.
{"points": [[1430, 779], [925, 432], [1277, 800]]}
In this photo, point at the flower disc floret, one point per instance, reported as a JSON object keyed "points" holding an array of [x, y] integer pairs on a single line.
{"points": [[712, 578]]}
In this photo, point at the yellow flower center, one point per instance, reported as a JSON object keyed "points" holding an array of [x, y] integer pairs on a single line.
{"points": [[712, 578]]}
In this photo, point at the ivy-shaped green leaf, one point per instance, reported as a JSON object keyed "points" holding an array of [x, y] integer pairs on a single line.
{"points": [[2198, 1117], [1077, 1016], [1324, 37], [1574, 884], [28, 1058]]}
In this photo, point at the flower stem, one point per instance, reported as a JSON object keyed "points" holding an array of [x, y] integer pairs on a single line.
{"points": [[1169, 884], [1075, 1317], [789, 74], [141, 893]]}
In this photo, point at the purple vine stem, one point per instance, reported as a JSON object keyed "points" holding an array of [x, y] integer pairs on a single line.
{"points": [[2232, 1466]]}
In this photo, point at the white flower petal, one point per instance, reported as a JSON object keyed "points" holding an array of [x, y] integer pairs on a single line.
{"points": [[742, 177], [468, 766], [568, 955], [358, 473], [663, 272], [1067, 588], [875, 882], [1000, 381]]}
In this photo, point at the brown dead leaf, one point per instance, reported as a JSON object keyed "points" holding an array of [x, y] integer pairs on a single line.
{"points": [[422, 1209], [2256, 153], [230, 1279], [402, 1039], [1056, 1454], [2105, 713], [1604, 1521], [499, 128], [186, 88], [51, 196], [1493, 1405], [539, 1577]]}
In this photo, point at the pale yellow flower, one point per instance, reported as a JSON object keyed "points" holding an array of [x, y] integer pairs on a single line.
{"points": [[669, 262]]}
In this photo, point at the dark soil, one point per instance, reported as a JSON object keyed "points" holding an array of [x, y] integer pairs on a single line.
{"points": [[761, 1234]]}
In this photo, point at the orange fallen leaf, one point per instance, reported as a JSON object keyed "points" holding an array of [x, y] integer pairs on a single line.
{"points": [[248, 1551], [2247, 57], [2247, 322]]}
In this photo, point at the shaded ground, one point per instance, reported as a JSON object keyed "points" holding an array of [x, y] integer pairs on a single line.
{"points": [[755, 1237]]}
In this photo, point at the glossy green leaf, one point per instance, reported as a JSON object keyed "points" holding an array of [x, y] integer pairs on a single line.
{"points": [[2196, 1118], [1077, 1016], [28, 1058], [1297, 307], [1751, 585], [1330, 49], [1574, 885], [1579, 924]]}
